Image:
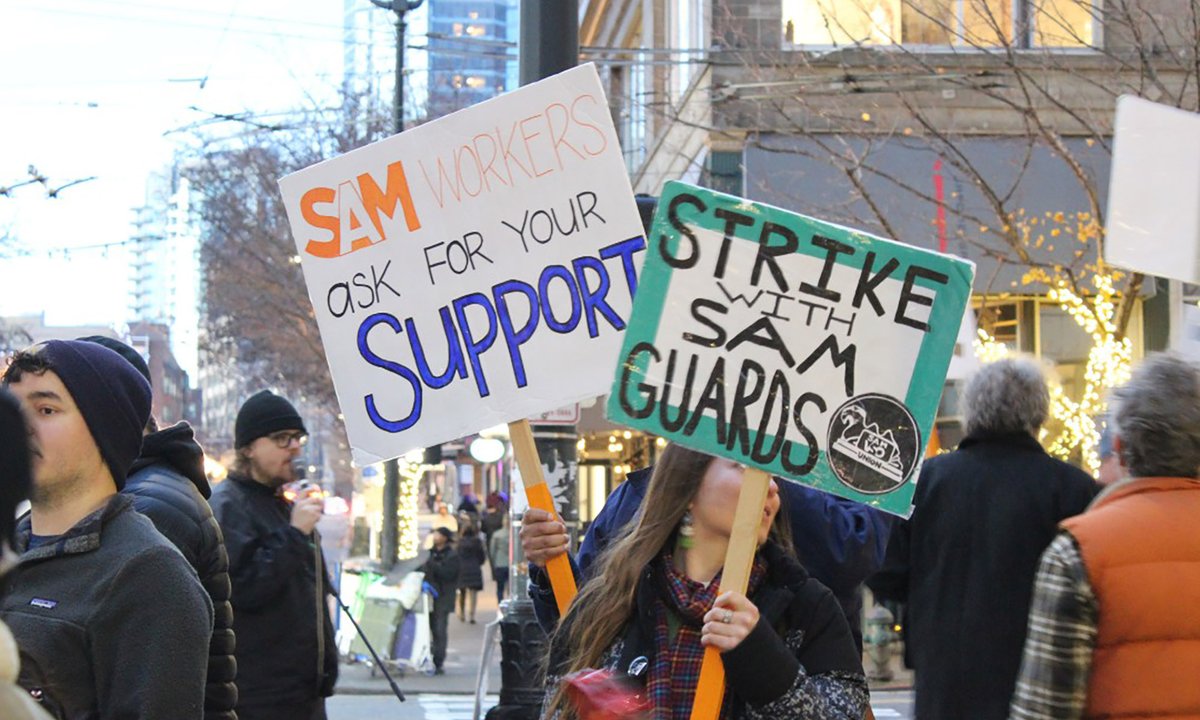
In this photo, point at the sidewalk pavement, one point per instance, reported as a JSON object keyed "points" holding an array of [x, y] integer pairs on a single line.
{"points": [[463, 650]]}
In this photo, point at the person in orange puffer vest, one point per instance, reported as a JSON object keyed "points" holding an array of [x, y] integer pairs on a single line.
{"points": [[1108, 634]]}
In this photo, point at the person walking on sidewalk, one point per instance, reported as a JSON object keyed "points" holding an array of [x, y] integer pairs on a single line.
{"points": [[964, 562], [1114, 629], [286, 656], [498, 556], [471, 557], [441, 572]]}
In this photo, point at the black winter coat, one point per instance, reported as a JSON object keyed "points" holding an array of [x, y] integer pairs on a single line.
{"points": [[471, 557], [801, 646], [167, 484], [965, 561], [441, 571], [285, 644]]}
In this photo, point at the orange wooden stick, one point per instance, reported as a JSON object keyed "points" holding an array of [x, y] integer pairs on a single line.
{"points": [[562, 580], [739, 559]]}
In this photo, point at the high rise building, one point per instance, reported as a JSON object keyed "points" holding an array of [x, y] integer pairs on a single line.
{"points": [[472, 54], [166, 266]]}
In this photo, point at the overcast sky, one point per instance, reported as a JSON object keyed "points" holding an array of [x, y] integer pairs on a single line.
{"points": [[96, 87]]}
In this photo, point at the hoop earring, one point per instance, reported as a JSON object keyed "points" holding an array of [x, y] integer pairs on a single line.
{"points": [[687, 532]]}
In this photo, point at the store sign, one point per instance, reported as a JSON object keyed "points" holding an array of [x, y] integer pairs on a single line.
{"points": [[475, 270], [568, 415], [811, 351]]}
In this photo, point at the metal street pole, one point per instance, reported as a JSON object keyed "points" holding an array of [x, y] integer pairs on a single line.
{"points": [[390, 545], [549, 44]]}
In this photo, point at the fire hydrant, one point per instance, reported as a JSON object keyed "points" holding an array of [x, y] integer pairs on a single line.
{"points": [[878, 639]]}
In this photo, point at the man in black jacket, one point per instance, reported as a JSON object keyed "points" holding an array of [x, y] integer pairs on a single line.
{"points": [[286, 656], [110, 619], [168, 485], [965, 561], [441, 572]]}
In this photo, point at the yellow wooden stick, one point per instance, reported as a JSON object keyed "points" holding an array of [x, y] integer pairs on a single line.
{"points": [[739, 559], [562, 580]]}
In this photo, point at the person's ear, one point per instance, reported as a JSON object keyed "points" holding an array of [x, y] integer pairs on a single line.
{"points": [[1117, 446]]}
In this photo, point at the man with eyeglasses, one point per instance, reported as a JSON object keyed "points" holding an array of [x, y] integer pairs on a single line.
{"points": [[286, 656]]}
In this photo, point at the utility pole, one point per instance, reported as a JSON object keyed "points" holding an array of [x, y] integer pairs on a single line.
{"points": [[390, 545], [549, 44]]}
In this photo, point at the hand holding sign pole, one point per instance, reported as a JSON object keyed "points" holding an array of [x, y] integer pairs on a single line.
{"points": [[739, 558], [798, 348], [562, 580]]}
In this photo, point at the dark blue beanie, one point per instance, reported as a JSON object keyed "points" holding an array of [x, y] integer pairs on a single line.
{"points": [[110, 393]]}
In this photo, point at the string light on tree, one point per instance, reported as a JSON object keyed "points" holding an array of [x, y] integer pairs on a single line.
{"points": [[1107, 366], [408, 542]]}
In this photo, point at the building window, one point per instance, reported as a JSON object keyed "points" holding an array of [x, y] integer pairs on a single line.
{"points": [[961, 23]]}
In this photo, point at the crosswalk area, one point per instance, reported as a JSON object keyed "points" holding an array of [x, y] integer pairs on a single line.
{"points": [[453, 707]]}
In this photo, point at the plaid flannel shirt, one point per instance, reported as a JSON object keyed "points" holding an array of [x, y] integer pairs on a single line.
{"points": [[1063, 621]]}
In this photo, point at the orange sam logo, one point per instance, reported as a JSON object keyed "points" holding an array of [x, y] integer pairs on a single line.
{"points": [[357, 213]]}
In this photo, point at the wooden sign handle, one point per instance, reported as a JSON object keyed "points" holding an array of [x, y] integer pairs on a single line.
{"points": [[562, 580], [739, 559]]}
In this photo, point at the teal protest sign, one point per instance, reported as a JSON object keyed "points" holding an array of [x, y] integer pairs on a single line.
{"points": [[814, 352]]}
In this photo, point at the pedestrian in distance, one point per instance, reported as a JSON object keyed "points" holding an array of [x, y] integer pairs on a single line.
{"points": [[441, 570], [1114, 630], [111, 620], [964, 561], [286, 655], [471, 557], [652, 604], [167, 484], [443, 518], [498, 551], [16, 481]]}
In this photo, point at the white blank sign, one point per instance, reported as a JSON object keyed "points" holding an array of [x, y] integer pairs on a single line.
{"points": [[1154, 194]]}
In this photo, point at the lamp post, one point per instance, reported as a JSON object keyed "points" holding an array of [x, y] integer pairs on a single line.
{"points": [[549, 44], [390, 545], [401, 8]]}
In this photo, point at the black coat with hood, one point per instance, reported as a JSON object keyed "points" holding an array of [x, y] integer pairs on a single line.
{"points": [[167, 484], [285, 645]]}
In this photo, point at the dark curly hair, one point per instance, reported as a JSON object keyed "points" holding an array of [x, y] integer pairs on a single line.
{"points": [[25, 361]]}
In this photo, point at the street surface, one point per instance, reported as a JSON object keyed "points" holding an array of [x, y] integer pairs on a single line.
{"points": [[887, 704]]}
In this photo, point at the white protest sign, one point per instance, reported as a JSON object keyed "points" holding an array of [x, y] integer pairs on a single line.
{"points": [[811, 351], [1154, 193], [472, 271]]}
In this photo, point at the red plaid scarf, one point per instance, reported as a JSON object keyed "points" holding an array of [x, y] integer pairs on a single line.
{"points": [[671, 685]]}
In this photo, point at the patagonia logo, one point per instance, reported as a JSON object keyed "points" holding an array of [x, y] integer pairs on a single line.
{"points": [[43, 603], [638, 666]]}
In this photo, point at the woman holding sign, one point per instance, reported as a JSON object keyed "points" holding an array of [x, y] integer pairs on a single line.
{"points": [[652, 606]]}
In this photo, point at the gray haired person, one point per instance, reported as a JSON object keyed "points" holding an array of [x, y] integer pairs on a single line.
{"points": [[1135, 553], [964, 562]]}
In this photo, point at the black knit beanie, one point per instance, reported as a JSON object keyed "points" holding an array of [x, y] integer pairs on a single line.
{"points": [[265, 413], [133, 356], [110, 393]]}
